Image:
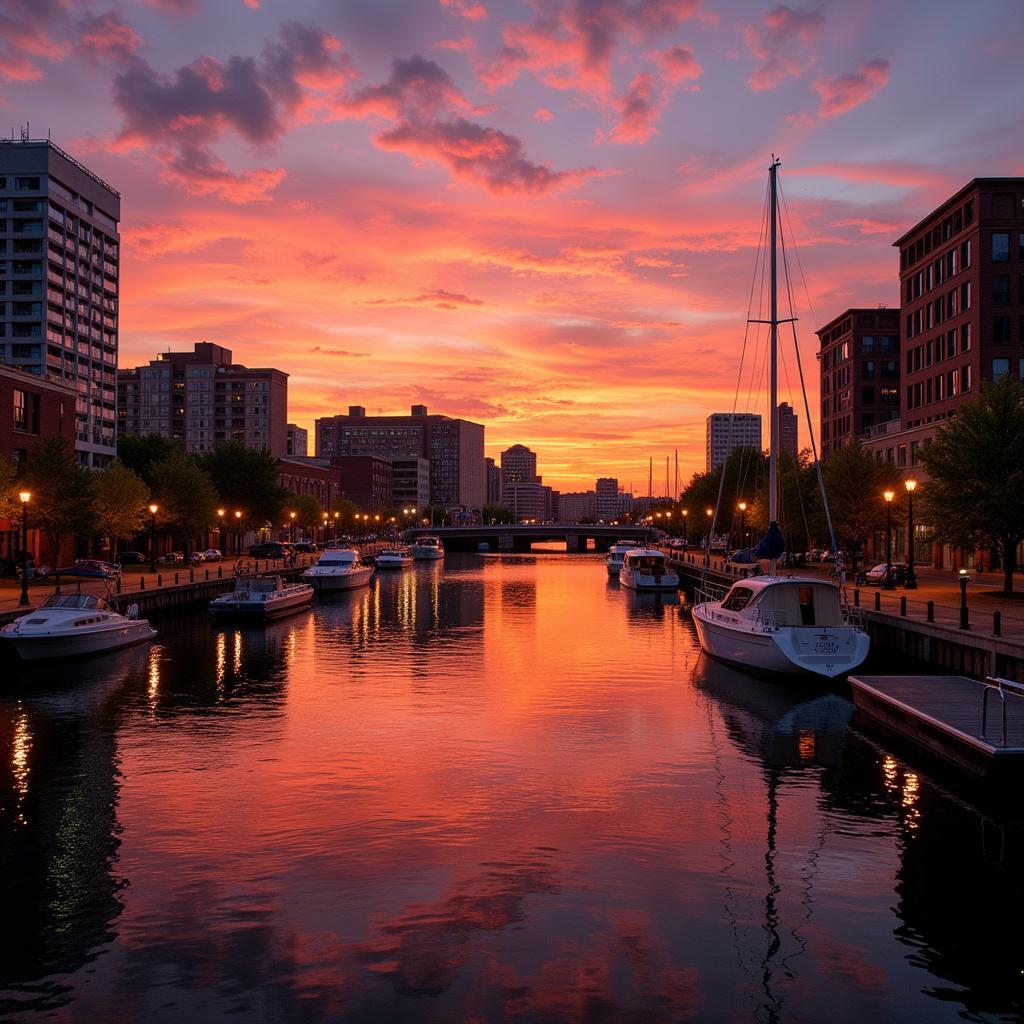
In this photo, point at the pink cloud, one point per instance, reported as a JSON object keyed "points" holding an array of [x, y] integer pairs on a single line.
{"points": [[472, 10], [639, 109], [461, 45], [783, 33], [108, 36], [841, 94], [30, 30], [678, 64], [416, 88], [543, 114]]}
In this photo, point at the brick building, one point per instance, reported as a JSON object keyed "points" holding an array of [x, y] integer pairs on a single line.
{"points": [[298, 440], [303, 476]]}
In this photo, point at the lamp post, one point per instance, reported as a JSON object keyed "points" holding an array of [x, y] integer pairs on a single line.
{"points": [[220, 529], [238, 531], [26, 497], [323, 539], [911, 582], [334, 532], [743, 523], [707, 547], [291, 516], [686, 513], [889, 582], [153, 509], [964, 580]]}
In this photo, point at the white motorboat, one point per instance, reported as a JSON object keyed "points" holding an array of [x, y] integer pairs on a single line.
{"points": [[262, 598], [646, 569], [427, 548], [393, 558], [73, 626], [338, 569], [785, 624], [788, 624], [617, 555]]}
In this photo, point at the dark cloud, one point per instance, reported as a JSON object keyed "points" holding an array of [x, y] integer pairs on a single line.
{"points": [[107, 36], [776, 43], [416, 89], [30, 31]]}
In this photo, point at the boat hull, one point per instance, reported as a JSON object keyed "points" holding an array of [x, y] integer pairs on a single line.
{"points": [[53, 646], [428, 555], [396, 564], [328, 581], [262, 611], [667, 582], [827, 651]]}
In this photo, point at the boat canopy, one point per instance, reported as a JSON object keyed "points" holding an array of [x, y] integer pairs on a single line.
{"points": [[789, 602], [339, 556], [76, 601], [645, 558]]}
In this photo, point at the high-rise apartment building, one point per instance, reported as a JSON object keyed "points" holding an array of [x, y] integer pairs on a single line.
{"points": [[454, 448], [727, 431], [858, 363], [202, 397], [607, 504], [518, 465], [298, 440], [788, 429], [59, 272]]}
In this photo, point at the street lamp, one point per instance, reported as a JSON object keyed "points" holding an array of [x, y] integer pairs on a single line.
{"points": [[238, 531], [889, 582], [743, 522], [323, 539], [334, 532], [153, 509], [291, 516], [220, 529], [911, 582], [26, 497], [707, 547], [686, 513]]}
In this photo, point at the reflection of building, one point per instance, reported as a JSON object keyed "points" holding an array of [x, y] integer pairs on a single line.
{"points": [[727, 431], [59, 267], [201, 397], [298, 440]]}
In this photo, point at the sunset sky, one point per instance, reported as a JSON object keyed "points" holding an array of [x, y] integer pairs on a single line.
{"points": [[539, 215]]}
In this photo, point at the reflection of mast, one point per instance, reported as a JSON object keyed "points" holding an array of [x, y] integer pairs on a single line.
{"points": [[772, 1004]]}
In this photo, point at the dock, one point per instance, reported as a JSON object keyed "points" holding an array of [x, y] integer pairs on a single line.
{"points": [[977, 726]]}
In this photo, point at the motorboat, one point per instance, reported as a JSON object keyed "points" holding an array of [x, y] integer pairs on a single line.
{"points": [[262, 598], [646, 569], [427, 548], [338, 569], [393, 558], [73, 626], [787, 624], [617, 555]]}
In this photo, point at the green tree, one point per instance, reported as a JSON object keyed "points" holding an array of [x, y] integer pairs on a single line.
{"points": [[975, 491], [63, 498], [496, 514], [141, 454], [185, 495], [246, 479], [8, 491], [309, 513], [854, 483], [121, 499]]}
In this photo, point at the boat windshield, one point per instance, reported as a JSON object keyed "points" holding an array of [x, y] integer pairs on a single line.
{"points": [[737, 599], [76, 601], [339, 557], [646, 563]]}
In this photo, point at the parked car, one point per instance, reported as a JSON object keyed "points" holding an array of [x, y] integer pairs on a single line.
{"points": [[307, 547], [196, 558], [109, 569], [131, 558], [876, 577], [213, 555], [270, 550], [171, 557]]}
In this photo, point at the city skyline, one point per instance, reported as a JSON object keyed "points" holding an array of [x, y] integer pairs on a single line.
{"points": [[543, 225]]}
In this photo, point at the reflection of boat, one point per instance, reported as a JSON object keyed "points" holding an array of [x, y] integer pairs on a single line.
{"points": [[338, 569], [393, 558], [616, 555], [75, 625], [263, 598], [427, 548], [645, 569]]}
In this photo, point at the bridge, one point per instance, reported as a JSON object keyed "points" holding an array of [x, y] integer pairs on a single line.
{"points": [[503, 537]]}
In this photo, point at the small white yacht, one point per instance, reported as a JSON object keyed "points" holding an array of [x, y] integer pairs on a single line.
{"points": [[617, 554], [262, 598], [75, 625], [427, 548], [338, 569], [393, 558], [646, 569], [788, 624]]}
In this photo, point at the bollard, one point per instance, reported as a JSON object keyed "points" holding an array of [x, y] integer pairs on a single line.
{"points": [[220, 571], [856, 599], [191, 575], [207, 576], [142, 583], [119, 584], [931, 611], [175, 579], [997, 623], [903, 606], [159, 579], [878, 601]]}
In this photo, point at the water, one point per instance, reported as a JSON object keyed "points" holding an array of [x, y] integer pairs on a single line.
{"points": [[501, 789]]}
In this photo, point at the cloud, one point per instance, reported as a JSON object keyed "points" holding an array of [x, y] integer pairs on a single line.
{"points": [[472, 10], [543, 114], [338, 352], [639, 109], [30, 31], [782, 31], [108, 36], [841, 94], [172, 6], [416, 89], [439, 298], [678, 64]]}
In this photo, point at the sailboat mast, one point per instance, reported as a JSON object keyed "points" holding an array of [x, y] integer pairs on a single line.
{"points": [[773, 409]]}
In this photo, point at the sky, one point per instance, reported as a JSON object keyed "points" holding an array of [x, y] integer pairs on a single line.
{"points": [[543, 215]]}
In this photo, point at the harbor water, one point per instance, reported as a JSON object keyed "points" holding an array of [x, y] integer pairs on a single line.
{"points": [[490, 789]]}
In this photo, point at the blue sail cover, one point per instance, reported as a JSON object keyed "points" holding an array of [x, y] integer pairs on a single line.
{"points": [[772, 545]]}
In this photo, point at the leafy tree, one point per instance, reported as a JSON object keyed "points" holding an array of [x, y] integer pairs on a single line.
{"points": [[8, 491], [436, 515], [496, 514], [246, 479], [121, 498], [854, 482], [185, 495], [309, 514], [975, 491], [62, 492], [141, 454]]}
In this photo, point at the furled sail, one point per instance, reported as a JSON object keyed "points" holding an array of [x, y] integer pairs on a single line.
{"points": [[772, 545]]}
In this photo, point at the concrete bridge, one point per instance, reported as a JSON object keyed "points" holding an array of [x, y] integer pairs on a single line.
{"points": [[577, 536]]}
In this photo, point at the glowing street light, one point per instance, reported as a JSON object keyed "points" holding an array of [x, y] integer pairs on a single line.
{"points": [[26, 497], [153, 509], [911, 581], [889, 582]]}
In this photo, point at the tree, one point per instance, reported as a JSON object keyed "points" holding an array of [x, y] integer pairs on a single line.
{"points": [[308, 512], [185, 496], [8, 491], [495, 514], [854, 483], [141, 454], [246, 479], [62, 492], [975, 491], [121, 498]]}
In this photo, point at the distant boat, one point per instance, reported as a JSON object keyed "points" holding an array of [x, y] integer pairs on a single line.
{"points": [[646, 569], [427, 548], [338, 569], [617, 554], [393, 558], [261, 598]]}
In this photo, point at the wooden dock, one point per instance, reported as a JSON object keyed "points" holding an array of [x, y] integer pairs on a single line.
{"points": [[943, 714]]}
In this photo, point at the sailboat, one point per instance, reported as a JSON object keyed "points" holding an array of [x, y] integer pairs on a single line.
{"points": [[780, 624]]}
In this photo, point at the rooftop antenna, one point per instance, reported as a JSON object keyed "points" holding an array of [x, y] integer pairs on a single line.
{"points": [[24, 132]]}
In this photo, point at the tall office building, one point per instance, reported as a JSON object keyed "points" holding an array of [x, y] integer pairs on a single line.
{"points": [[493, 482], [202, 397], [454, 448], [607, 503], [298, 440], [788, 429], [59, 270], [518, 466], [727, 431]]}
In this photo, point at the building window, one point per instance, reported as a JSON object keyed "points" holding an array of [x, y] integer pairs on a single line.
{"points": [[889, 396], [26, 184], [1000, 368], [1000, 289], [1001, 330], [965, 378], [965, 337], [1000, 246], [867, 343], [26, 411]]}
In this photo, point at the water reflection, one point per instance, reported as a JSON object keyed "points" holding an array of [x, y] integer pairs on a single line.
{"points": [[497, 789]]}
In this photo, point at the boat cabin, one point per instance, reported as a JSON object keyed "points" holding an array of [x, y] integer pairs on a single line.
{"points": [[645, 560], [339, 557], [84, 602], [792, 601]]}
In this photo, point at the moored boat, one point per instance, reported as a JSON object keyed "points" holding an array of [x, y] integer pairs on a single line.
{"points": [[262, 598], [338, 569], [646, 569], [427, 548], [393, 558], [617, 554]]}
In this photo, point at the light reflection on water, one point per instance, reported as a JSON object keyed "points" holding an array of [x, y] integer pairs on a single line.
{"points": [[495, 789]]}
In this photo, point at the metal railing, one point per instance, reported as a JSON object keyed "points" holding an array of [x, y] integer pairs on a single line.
{"points": [[1002, 687]]}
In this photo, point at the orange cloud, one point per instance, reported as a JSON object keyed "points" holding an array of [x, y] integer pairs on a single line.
{"points": [[841, 94]]}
